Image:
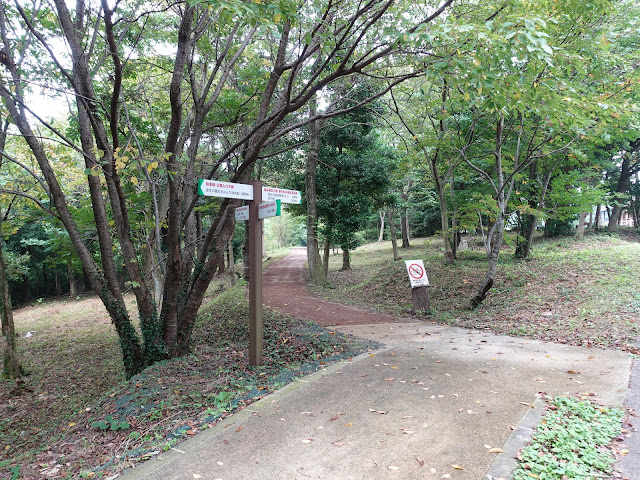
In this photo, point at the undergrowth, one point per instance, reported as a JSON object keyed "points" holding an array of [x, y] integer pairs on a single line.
{"points": [[571, 442]]}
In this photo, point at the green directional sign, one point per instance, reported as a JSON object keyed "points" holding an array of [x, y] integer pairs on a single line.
{"points": [[216, 188]]}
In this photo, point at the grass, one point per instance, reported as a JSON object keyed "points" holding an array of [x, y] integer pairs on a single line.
{"points": [[580, 292], [78, 418]]}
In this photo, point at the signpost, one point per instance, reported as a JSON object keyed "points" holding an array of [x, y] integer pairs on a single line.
{"points": [[255, 212], [419, 285]]}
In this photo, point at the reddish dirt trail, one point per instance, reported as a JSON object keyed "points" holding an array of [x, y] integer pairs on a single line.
{"points": [[284, 288]]}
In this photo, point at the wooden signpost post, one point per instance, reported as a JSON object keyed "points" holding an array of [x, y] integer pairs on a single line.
{"points": [[419, 285], [254, 213]]}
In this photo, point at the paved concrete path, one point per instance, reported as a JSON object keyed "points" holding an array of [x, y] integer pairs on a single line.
{"points": [[433, 399]]}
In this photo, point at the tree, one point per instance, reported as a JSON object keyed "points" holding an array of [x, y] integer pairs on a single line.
{"points": [[11, 364], [240, 72]]}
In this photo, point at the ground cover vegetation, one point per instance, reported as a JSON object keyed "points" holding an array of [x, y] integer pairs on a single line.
{"points": [[576, 291], [572, 441], [76, 417]]}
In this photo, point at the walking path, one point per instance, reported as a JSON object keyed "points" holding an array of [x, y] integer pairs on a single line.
{"points": [[432, 402], [285, 288]]}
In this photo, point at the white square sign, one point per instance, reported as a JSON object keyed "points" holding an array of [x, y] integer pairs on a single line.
{"points": [[417, 273]]}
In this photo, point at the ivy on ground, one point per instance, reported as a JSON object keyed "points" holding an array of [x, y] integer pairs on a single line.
{"points": [[571, 442]]}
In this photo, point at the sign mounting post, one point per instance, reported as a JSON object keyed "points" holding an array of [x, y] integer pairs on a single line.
{"points": [[255, 277], [419, 285]]}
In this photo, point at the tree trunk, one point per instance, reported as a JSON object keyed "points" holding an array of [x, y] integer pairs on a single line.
{"points": [[392, 231], [57, 283], [317, 273], [496, 240], [11, 365], [581, 225], [73, 286], [490, 276], [404, 225], [325, 256], [346, 259], [404, 215], [232, 262], [596, 223], [381, 234], [625, 175]]}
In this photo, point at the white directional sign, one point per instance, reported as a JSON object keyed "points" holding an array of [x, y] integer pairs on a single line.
{"points": [[417, 273], [269, 209], [242, 213], [215, 188], [286, 196]]}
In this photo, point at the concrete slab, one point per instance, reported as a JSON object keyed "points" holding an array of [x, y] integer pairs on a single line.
{"points": [[433, 399]]}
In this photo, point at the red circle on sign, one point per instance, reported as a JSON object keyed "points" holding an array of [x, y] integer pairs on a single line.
{"points": [[416, 271]]}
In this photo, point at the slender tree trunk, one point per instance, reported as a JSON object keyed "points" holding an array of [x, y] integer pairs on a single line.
{"points": [[625, 175], [496, 241], [325, 256], [11, 365], [596, 223], [232, 262], [346, 259], [581, 224], [381, 234], [57, 283], [392, 231], [317, 272], [404, 216], [73, 285]]}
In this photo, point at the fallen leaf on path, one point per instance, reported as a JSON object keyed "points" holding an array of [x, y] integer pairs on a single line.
{"points": [[390, 379], [377, 411], [420, 461], [457, 467], [350, 424], [239, 429], [307, 440], [572, 372], [496, 450], [392, 467]]}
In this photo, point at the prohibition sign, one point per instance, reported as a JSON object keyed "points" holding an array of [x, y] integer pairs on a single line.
{"points": [[416, 271]]}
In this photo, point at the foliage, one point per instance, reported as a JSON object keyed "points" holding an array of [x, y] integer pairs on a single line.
{"points": [[571, 441]]}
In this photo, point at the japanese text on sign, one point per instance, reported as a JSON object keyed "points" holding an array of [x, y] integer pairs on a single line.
{"points": [[214, 188]]}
